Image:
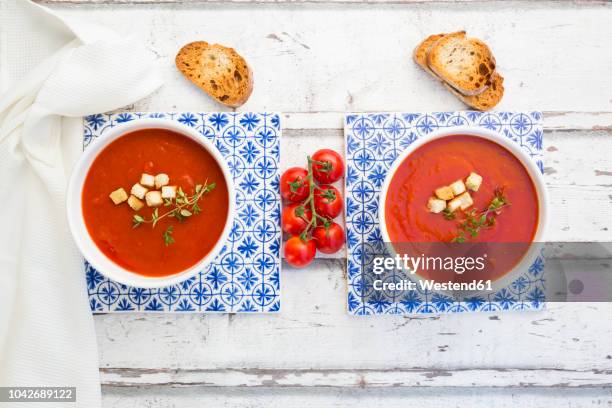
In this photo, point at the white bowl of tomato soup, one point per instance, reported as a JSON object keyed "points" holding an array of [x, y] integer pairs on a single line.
{"points": [[510, 181], [139, 241]]}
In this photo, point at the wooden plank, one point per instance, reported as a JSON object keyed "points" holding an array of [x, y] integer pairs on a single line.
{"points": [[360, 378], [354, 397], [335, 58]]}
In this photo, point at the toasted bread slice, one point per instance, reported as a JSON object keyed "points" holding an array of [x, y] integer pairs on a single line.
{"points": [[422, 50], [464, 63], [486, 100], [219, 71]]}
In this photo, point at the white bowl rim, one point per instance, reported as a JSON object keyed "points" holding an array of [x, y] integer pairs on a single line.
{"points": [[518, 152], [76, 221]]}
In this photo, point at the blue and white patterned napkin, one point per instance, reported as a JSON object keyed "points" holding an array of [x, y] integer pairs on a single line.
{"points": [[245, 276], [373, 142]]}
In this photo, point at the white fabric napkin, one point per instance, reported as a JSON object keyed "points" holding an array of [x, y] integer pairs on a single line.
{"points": [[53, 71]]}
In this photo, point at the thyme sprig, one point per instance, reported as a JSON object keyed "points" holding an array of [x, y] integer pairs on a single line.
{"points": [[477, 220], [181, 208]]}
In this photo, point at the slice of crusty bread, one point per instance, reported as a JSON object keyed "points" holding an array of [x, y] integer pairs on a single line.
{"points": [[422, 50], [464, 63], [219, 71], [486, 100]]}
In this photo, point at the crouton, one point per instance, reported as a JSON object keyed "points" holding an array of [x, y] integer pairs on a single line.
{"points": [[135, 203], [147, 180], [473, 181], [444, 193], [168, 192], [462, 201], [161, 180], [154, 199], [436, 205], [118, 196], [453, 205], [466, 200], [458, 187], [139, 191]]}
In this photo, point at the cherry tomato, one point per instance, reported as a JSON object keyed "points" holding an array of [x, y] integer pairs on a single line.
{"points": [[295, 218], [294, 185], [299, 253], [328, 201], [330, 167], [328, 240]]}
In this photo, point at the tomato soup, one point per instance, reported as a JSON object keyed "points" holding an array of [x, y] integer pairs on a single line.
{"points": [[445, 160], [143, 250]]}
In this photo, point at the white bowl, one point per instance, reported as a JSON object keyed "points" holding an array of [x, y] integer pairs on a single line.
{"points": [[76, 220], [519, 153]]}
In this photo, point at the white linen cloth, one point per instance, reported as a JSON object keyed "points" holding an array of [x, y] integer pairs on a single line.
{"points": [[53, 72]]}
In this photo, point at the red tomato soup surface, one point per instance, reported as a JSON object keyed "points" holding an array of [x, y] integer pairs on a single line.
{"points": [[142, 250], [440, 163]]}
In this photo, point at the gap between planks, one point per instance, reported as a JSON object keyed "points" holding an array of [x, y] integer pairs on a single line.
{"points": [[358, 378]]}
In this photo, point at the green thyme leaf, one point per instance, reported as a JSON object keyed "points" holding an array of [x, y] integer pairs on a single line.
{"points": [[137, 220], [155, 217], [168, 239], [195, 209], [448, 214]]}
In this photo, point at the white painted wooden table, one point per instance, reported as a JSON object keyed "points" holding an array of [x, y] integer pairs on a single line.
{"points": [[314, 60]]}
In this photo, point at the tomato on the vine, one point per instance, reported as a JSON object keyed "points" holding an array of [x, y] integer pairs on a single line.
{"points": [[328, 201], [295, 218], [327, 166], [294, 185], [328, 239], [299, 252]]}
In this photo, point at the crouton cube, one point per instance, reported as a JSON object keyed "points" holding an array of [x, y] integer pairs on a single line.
{"points": [[453, 205], [161, 180], [147, 180], [168, 192], [118, 196], [135, 203], [458, 187], [466, 200], [436, 205], [473, 181], [445, 193], [139, 191], [154, 199], [462, 201]]}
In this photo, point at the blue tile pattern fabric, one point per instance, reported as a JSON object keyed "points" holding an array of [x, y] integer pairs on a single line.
{"points": [[373, 142], [245, 276]]}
